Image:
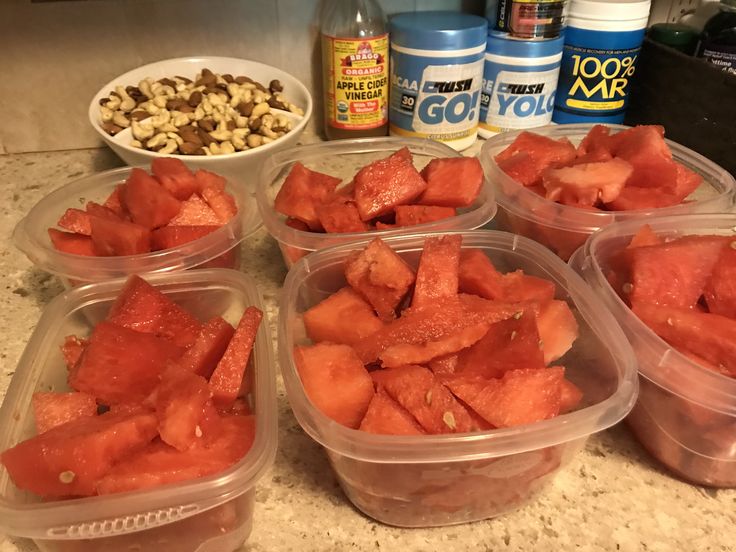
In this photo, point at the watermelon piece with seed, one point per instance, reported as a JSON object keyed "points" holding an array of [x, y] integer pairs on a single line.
{"points": [[174, 236], [54, 409], [417, 390], [141, 307], [72, 350], [411, 215], [587, 184], [380, 276], [195, 212], [452, 181], [229, 374], [344, 317], [558, 329], [720, 291], [120, 364], [118, 237], [540, 153], [181, 398], [174, 176], [301, 193], [149, 204], [69, 460], [76, 220], [437, 274], [386, 183], [69, 242], [335, 381], [340, 215], [202, 356], [386, 417]]}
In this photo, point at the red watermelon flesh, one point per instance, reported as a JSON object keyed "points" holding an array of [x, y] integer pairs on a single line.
{"points": [[229, 375], [425, 398], [222, 203], [673, 273], [344, 317], [174, 236], [444, 365], [180, 406], [76, 220], [54, 409], [644, 147], [570, 396], [478, 276], [452, 181], [411, 215], [632, 199], [543, 152], [206, 179], [596, 141], [437, 274], [587, 183], [119, 238], [710, 336], [386, 417], [507, 345], [141, 307], [335, 381], [558, 329], [302, 191], [410, 353], [160, 464], [340, 215], [687, 181], [69, 242], [174, 176], [381, 276], [643, 237], [114, 201], [720, 291], [149, 204], [72, 350], [202, 356], [386, 183], [121, 365], [97, 210], [195, 212], [519, 287], [70, 459]]}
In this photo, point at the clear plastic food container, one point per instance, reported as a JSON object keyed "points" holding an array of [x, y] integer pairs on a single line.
{"points": [[218, 249], [211, 514], [686, 414], [563, 228], [435, 480], [342, 159]]}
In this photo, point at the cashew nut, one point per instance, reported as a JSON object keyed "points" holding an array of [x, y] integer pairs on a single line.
{"points": [[227, 147], [206, 105], [174, 136], [259, 97], [170, 147], [158, 140], [215, 148], [114, 103], [179, 119], [160, 118], [241, 122], [167, 127], [199, 113], [254, 140], [127, 103], [160, 101], [259, 109], [106, 114], [145, 87], [120, 119], [141, 131], [221, 134], [136, 144]]}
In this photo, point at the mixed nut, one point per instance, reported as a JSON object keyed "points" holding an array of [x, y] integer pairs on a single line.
{"points": [[210, 115]]}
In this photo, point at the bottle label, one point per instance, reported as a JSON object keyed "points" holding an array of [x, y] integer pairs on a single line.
{"points": [[723, 57], [357, 81]]}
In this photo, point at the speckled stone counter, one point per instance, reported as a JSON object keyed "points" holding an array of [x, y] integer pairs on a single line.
{"points": [[611, 497]]}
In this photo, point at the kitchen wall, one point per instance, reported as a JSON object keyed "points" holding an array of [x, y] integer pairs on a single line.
{"points": [[57, 54]]}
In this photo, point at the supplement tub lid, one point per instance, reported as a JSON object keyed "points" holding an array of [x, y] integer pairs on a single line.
{"points": [[438, 30], [501, 44], [610, 10]]}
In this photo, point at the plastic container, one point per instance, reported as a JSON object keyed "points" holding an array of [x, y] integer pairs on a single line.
{"points": [[519, 83], [211, 514], [563, 228], [526, 18], [218, 249], [343, 159], [686, 414], [602, 43], [435, 480], [436, 76]]}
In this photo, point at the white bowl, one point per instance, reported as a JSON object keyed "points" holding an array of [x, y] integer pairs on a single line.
{"points": [[241, 166]]}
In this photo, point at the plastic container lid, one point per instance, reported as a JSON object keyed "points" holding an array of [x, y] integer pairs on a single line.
{"points": [[501, 44], [438, 30], [676, 35]]}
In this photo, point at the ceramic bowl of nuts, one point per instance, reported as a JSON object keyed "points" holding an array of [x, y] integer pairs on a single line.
{"points": [[225, 115]]}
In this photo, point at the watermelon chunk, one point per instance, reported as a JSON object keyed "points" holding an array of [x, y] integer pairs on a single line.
{"points": [[687, 181], [175, 177], [340, 215], [149, 204], [452, 181], [160, 464], [206, 179], [478, 276], [114, 201], [520, 287], [417, 390], [379, 275], [111, 237], [411, 215], [587, 183], [709, 336], [437, 274], [443, 365], [221, 203], [121, 365], [302, 191], [521, 168], [76, 220], [645, 236], [386, 183], [541, 153], [385, 416], [181, 398], [326, 321], [229, 374], [54, 409], [570, 396], [72, 350], [645, 149], [96, 210], [195, 212], [720, 291], [632, 198], [68, 242], [558, 329], [207, 350], [335, 381], [511, 344], [597, 140], [69, 459], [141, 307], [174, 236]]}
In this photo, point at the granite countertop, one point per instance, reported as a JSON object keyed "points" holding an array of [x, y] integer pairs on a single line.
{"points": [[611, 497]]}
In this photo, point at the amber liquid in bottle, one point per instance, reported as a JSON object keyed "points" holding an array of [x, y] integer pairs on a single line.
{"points": [[355, 69]]}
